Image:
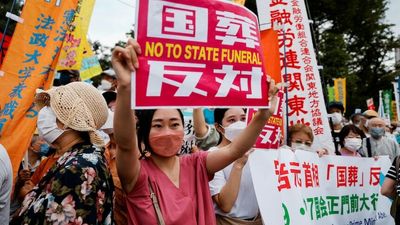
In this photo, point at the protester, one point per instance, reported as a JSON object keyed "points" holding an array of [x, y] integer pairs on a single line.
{"points": [[110, 97], [120, 210], [206, 135], [232, 188], [336, 109], [178, 186], [108, 80], [391, 185], [378, 144], [351, 140], [36, 150], [368, 114], [5, 185], [301, 137], [78, 189], [356, 119], [66, 77]]}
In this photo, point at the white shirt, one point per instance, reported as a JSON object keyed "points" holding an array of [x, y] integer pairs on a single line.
{"points": [[5, 185], [245, 206]]}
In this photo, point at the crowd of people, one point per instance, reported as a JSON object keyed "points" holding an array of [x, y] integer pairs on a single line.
{"points": [[93, 160]]}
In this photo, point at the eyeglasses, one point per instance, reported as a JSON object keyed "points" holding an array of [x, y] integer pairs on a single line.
{"points": [[308, 143]]}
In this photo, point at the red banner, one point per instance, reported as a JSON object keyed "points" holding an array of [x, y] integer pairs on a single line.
{"points": [[4, 47], [198, 53]]}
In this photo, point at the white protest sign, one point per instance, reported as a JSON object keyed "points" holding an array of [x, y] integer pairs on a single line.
{"points": [[302, 188]]}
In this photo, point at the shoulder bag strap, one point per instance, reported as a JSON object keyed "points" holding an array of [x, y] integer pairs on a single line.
{"points": [[369, 147], [154, 199]]}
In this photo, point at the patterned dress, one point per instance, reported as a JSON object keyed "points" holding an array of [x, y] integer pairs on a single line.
{"points": [[77, 190]]}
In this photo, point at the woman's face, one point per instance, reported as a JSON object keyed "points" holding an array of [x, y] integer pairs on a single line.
{"points": [[165, 121], [35, 147], [233, 115], [301, 138], [353, 135], [166, 132]]}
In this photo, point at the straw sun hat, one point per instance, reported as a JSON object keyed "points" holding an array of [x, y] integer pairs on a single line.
{"points": [[80, 107]]}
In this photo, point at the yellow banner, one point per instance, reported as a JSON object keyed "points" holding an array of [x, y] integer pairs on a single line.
{"points": [[27, 66], [340, 90], [76, 52]]}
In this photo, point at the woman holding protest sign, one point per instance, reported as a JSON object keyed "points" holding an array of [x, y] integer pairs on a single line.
{"points": [[163, 187], [232, 188]]}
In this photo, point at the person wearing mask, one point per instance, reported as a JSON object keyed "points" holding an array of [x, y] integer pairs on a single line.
{"points": [[5, 185], [108, 80], [78, 189], [351, 140], [301, 137], [377, 144], [367, 115], [164, 186], [356, 119], [335, 110], [36, 151], [120, 210], [110, 97], [232, 188]]}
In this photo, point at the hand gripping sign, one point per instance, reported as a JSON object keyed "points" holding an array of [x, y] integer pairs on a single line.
{"points": [[198, 53]]}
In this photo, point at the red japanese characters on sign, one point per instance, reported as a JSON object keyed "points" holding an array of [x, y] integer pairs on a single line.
{"points": [[351, 176], [295, 174], [271, 135], [305, 103], [205, 51]]}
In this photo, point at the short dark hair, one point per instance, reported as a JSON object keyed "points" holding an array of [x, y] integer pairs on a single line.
{"points": [[219, 114], [337, 105], [145, 117], [346, 130], [354, 115]]}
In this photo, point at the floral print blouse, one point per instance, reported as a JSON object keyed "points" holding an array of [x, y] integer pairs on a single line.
{"points": [[77, 190]]}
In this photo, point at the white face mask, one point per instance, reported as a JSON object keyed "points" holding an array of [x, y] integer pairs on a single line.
{"points": [[47, 125], [352, 144], [234, 129], [336, 118], [105, 85], [301, 146]]}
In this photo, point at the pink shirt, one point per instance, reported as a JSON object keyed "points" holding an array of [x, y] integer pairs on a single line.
{"points": [[190, 204]]}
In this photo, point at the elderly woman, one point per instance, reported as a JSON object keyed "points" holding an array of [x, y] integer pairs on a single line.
{"points": [[301, 137], [78, 189]]}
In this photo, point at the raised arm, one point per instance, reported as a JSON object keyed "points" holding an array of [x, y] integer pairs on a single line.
{"points": [[124, 61], [219, 159], [199, 123], [226, 198]]}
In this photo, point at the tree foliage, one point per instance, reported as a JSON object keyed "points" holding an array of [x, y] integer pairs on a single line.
{"points": [[355, 42]]}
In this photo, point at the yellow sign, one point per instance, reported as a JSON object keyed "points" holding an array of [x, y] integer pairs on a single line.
{"points": [[76, 52], [340, 90]]}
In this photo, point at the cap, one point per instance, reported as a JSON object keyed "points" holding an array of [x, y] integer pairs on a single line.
{"points": [[370, 113]]}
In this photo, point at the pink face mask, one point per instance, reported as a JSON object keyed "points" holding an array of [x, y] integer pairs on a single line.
{"points": [[167, 145]]}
